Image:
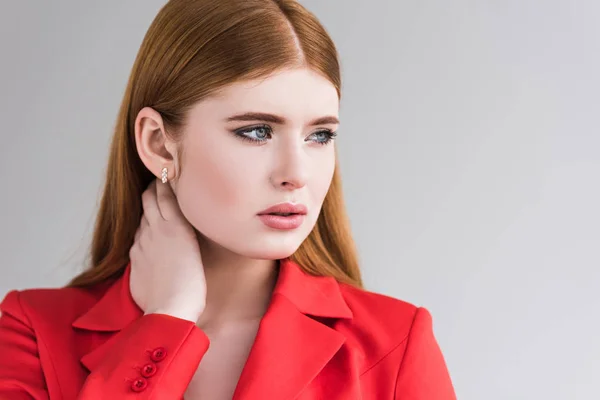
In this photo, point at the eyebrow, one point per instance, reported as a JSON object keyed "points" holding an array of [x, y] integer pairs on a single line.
{"points": [[275, 119]]}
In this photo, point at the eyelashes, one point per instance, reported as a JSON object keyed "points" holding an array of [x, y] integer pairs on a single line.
{"points": [[324, 136]]}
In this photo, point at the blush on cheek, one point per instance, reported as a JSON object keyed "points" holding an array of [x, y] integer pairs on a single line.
{"points": [[201, 201], [211, 180]]}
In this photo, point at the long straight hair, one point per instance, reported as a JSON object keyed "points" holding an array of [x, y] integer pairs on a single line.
{"points": [[192, 49]]}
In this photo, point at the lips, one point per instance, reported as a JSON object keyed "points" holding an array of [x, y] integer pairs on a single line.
{"points": [[283, 216], [285, 209]]}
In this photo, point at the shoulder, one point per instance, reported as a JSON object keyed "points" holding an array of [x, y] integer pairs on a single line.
{"points": [[50, 304], [390, 317], [381, 324]]}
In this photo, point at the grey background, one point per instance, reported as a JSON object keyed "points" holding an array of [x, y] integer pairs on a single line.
{"points": [[469, 149]]}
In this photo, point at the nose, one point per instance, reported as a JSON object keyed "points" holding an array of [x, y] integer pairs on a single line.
{"points": [[291, 170]]}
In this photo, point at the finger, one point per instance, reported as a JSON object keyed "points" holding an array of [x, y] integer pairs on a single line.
{"points": [[150, 204], [144, 224], [167, 202], [143, 232], [136, 238], [136, 243]]}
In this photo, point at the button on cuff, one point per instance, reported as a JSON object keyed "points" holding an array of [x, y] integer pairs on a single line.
{"points": [[139, 384], [158, 354], [148, 370]]}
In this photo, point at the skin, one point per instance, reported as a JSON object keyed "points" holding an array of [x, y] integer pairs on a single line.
{"points": [[223, 277]]}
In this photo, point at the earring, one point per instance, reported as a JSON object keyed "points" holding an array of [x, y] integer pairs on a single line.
{"points": [[164, 175]]}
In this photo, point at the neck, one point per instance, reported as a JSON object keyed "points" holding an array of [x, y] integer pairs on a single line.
{"points": [[239, 289]]}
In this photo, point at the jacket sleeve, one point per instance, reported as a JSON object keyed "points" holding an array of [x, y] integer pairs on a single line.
{"points": [[154, 357], [21, 376], [423, 374]]}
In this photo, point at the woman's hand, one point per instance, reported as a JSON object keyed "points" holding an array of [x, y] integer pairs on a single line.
{"points": [[167, 275]]}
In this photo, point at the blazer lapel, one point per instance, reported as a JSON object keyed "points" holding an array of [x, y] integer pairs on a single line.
{"points": [[291, 346], [113, 312]]}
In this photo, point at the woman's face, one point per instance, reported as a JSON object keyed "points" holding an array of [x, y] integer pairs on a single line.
{"points": [[234, 167]]}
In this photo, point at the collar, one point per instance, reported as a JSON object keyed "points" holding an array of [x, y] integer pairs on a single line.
{"points": [[317, 296]]}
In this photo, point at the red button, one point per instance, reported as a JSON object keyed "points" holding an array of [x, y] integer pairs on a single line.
{"points": [[148, 370], [158, 354], [139, 384]]}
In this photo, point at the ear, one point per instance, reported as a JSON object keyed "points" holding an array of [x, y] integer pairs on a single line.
{"points": [[155, 149]]}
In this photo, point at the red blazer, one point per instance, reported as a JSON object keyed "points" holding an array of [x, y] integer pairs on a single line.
{"points": [[319, 339]]}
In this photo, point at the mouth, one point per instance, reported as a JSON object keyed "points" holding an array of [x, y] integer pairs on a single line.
{"points": [[285, 216], [282, 214], [284, 222], [285, 210]]}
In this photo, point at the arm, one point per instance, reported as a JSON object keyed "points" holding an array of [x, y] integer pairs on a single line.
{"points": [[119, 370], [21, 376], [155, 357], [423, 374]]}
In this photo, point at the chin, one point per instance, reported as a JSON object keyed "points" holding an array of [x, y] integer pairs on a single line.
{"points": [[267, 245], [272, 246], [274, 253]]}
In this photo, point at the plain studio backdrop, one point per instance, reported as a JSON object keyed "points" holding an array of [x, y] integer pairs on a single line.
{"points": [[469, 148]]}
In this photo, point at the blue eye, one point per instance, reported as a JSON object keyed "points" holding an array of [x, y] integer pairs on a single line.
{"points": [[325, 136], [261, 133]]}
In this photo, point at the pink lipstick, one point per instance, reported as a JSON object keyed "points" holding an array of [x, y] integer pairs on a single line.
{"points": [[284, 216]]}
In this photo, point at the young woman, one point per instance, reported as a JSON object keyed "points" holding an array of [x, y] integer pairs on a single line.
{"points": [[222, 264]]}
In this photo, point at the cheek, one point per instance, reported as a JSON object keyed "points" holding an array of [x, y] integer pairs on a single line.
{"points": [[210, 180], [322, 176]]}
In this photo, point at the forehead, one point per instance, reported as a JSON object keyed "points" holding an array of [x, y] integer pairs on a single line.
{"points": [[297, 94]]}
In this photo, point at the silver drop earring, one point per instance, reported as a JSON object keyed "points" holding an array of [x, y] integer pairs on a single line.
{"points": [[164, 175]]}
